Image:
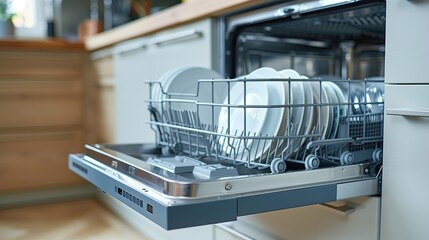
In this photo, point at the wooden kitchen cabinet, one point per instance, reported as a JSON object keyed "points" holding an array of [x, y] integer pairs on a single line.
{"points": [[42, 113], [103, 85], [32, 159], [41, 103]]}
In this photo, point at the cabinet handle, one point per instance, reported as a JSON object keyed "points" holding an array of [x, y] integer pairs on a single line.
{"points": [[343, 210], [233, 231], [409, 112], [132, 50], [187, 34]]}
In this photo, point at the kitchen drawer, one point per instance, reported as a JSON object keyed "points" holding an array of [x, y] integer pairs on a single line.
{"points": [[41, 103], [315, 222], [37, 159], [148, 58], [153, 55], [191, 44], [226, 232], [406, 97], [30, 65], [407, 38], [405, 178], [406, 163]]}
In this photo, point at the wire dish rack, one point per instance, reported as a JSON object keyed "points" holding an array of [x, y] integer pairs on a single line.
{"points": [[312, 125]]}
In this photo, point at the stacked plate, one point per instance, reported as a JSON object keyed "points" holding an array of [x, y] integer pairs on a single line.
{"points": [[293, 108], [268, 104], [182, 84], [257, 119]]}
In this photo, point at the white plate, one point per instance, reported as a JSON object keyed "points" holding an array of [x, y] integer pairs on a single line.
{"points": [[164, 81], [309, 110], [256, 94], [296, 113], [274, 124], [185, 81], [259, 121], [335, 109], [341, 98], [291, 73], [322, 117], [156, 92]]}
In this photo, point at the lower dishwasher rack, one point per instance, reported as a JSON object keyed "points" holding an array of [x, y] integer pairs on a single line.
{"points": [[179, 200]]}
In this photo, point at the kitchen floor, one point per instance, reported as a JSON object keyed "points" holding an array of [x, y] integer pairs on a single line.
{"points": [[82, 219]]}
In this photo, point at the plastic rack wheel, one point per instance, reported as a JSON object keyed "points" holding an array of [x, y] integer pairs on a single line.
{"points": [[311, 162], [377, 155], [347, 158], [278, 166]]}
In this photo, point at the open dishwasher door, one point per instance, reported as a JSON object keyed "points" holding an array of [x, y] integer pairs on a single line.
{"points": [[178, 200]]}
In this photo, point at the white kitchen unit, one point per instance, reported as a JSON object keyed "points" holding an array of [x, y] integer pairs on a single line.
{"points": [[354, 219], [406, 162], [149, 57]]}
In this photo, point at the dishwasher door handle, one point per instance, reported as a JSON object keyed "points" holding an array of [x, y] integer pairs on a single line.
{"points": [[409, 112]]}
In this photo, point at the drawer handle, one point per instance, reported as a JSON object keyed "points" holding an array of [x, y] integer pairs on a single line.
{"points": [[234, 232], [132, 50], [343, 210], [409, 112], [188, 34]]}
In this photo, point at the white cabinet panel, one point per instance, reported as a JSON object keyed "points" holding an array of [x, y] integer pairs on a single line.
{"points": [[406, 97], [406, 163], [315, 222], [148, 58], [407, 38], [405, 178]]}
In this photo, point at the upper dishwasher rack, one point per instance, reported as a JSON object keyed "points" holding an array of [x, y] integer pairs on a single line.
{"points": [[323, 129]]}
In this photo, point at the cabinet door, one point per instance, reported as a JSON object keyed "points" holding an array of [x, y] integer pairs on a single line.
{"points": [[104, 113], [37, 159], [407, 38], [26, 104], [406, 162], [147, 59]]}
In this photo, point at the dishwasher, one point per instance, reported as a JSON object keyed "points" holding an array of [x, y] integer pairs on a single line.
{"points": [[295, 116]]}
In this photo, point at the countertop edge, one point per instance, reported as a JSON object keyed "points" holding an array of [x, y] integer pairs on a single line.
{"points": [[41, 44], [173, 16]]}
